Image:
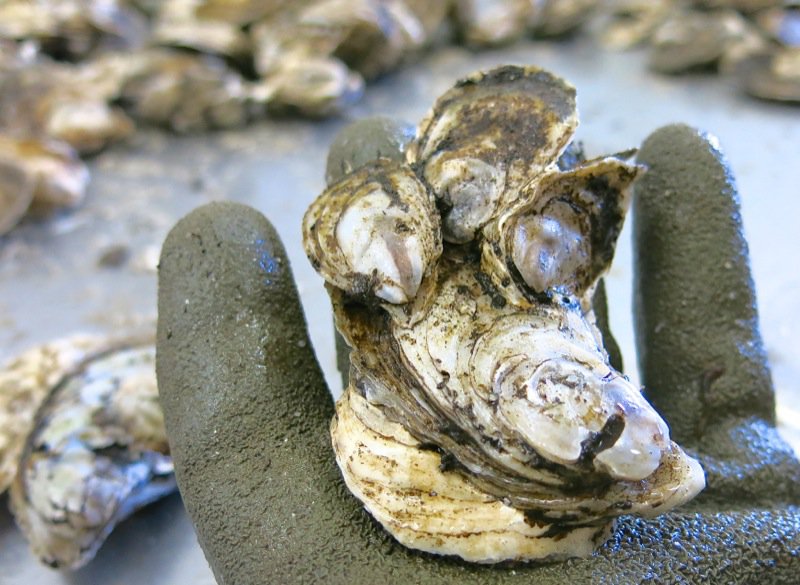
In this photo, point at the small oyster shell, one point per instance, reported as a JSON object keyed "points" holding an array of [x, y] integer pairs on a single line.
{"points": [[60, 178], [87, 125], [311, 86], [98, 452], [184, 92], [432, 16], [375, 232], [177, 25], [369, 36], [560, 238], [631, 22], [72, 28], [476, 145], [773, 76], [482, 417], [553, 18], [693, 39], [238, 12]]}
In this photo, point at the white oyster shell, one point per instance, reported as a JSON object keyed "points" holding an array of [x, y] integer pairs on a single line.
{"points": [[25, 382], [482, 418]]}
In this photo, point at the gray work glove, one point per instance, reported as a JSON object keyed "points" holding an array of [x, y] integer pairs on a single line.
{"points": [[247, 409]]}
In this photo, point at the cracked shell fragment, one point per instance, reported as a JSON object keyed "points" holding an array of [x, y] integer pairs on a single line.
{"points": [[98, 452], [485, 421], [486, 137]]}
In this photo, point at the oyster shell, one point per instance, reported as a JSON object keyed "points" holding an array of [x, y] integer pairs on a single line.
{"points": [[25, 382], [483, 23], [374, 233], [693, 39], [16, 194], [773, 76], [474, 148], [59, 177], [553, 18], [98, 452], [629, 23], [484, 420]]}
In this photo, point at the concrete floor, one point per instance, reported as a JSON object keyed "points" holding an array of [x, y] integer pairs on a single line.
{"points": [[51, 284]]}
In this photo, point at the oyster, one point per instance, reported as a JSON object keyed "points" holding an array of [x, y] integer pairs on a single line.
{"points": [[629, 23], [773, 76], [470, 166], [553, 18], [16, 194], [482, 418], [98, 452], [692, 39], [24, 384], [59, 177]]}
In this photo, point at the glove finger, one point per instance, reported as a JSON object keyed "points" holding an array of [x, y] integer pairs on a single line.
{"points": [[245, 403], [700, 351]]}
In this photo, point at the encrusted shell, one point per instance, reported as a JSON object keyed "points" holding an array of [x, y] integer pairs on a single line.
{"points": [[374, 233], [559, 238]]}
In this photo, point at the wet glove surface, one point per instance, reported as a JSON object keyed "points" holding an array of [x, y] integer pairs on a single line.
{"points": [[247, 413]]}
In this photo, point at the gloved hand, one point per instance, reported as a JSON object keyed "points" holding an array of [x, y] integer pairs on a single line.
{"points": [[247, 409]]}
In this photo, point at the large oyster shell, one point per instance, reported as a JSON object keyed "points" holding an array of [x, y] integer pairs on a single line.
{"points": [[484, 420]]}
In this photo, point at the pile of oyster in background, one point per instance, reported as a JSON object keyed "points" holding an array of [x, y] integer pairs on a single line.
{"points": [[754, 42], [77, 75]]}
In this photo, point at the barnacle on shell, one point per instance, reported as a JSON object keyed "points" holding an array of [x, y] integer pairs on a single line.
{"points": [[482, 418]]}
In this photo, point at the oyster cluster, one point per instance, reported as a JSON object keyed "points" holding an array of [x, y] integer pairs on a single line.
{"points": [[755, 42], [482, 418], [82, 442]]}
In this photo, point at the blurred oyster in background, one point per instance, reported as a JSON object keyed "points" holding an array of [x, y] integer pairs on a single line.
{"points": [[751, 41], [97, 452], [773, 76], [84, 72], [57, 177]]}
